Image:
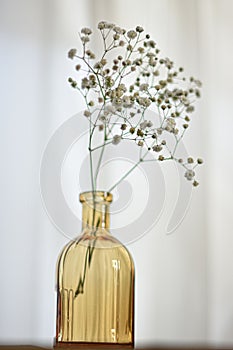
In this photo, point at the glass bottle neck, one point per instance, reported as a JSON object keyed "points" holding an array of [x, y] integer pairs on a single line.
{"points": [[95, 210], [95, 215]]}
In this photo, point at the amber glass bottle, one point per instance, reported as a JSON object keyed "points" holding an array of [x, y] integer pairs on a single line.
{"points": [[95, 287]]}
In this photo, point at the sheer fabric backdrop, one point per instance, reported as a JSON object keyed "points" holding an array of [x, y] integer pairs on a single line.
{"points": [[184, 283]]}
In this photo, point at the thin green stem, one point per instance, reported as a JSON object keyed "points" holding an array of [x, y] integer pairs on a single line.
{"points": [[99, 162], [91, 170], [103, 145], [125, 175]]}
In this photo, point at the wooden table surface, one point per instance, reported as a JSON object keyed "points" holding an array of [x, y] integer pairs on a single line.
{"points": [[152, 347]]}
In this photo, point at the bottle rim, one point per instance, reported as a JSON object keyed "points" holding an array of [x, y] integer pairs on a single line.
{"points": [[95, 196]]}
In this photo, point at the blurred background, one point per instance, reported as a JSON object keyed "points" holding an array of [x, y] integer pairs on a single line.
{"points": [[184, 283]]}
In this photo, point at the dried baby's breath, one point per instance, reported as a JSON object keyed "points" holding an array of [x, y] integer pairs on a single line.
{"points": [[128, 79]]}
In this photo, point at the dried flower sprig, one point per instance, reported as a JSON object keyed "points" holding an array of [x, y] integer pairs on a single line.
{"points": [[120, 89]]}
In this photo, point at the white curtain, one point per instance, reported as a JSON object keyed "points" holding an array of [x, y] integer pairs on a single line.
{"points": [[184, 281]]}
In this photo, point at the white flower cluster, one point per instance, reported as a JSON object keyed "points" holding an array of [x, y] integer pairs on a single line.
{"points": [[118, 109]]}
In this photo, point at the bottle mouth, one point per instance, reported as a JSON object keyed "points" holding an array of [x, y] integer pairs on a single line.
{"points": [[96, 197]]}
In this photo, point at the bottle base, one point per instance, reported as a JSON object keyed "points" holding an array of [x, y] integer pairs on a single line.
{"points": [[85, 345]]}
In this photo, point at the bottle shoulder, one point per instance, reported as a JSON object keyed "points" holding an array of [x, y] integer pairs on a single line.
{"points": [[101, 243]]}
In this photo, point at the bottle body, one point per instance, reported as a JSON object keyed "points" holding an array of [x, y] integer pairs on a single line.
{"points": [[95, 290]]}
